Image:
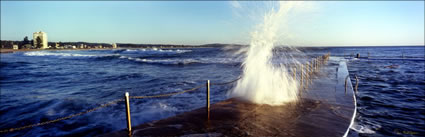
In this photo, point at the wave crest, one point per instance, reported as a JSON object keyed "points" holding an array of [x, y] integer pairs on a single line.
{"points": [[163, 61], [156, 50], [62, 54]]}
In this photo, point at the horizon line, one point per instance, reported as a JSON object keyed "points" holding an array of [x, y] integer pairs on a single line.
{"points": [[235, 44]]}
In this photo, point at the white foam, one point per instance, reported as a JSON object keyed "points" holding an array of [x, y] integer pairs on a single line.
{"points": [[263, 82], [169, 61], [43, 53], [162, 61], [362, 129], [157, 110], [130, 50], [176, 51], [166, 107], [156, 50], [65, 54]]}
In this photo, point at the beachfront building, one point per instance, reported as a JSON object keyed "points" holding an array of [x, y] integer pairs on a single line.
{"points": [[57, 45], [114, 45], [40, 38], [15, 46]]}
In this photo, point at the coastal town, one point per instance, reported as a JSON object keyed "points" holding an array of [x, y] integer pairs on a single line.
{"points": [[40, 42]]}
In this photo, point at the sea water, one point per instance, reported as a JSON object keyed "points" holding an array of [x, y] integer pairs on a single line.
{"points": [[43, 85]]}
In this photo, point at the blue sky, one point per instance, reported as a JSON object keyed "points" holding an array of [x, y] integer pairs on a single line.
{"points": [[324, 23]]}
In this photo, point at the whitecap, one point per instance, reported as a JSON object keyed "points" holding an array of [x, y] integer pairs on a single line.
{"points": [[42, 53], [65, 54], [156, 50], [168, 61], [162, 61]]}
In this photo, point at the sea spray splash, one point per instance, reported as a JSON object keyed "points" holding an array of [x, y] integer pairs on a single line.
{"points": [[262, 82]]}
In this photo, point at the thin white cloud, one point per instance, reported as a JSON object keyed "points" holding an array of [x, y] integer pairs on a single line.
{"points": [[235, 4]]}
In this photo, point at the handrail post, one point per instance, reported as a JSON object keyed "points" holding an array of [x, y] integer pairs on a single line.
{"points": [[312, 66], [345, 85], [208, 100], [309, 70], [306, 71], [317, 64], [307, 74], [127, 104], [301, 76]]}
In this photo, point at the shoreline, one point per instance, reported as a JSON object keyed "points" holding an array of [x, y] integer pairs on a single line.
{"points": [[5, 51]]}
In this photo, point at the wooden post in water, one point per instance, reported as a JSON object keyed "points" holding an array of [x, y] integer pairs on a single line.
{"points": [[208, 100], [127, 104]]}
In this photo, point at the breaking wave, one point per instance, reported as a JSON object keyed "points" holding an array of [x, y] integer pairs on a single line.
{"points": [[180, 61], [162, 61], [149, 56], [113, 53], [156, 50], [59, 54]]}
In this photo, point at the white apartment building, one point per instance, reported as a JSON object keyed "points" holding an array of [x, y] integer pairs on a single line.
{"points": [[43, 38]]}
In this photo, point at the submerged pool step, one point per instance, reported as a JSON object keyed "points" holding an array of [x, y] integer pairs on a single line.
{"points": [[325, 109]]}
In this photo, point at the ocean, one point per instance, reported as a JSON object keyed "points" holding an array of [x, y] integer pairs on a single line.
{"points": [[38, 86]]}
